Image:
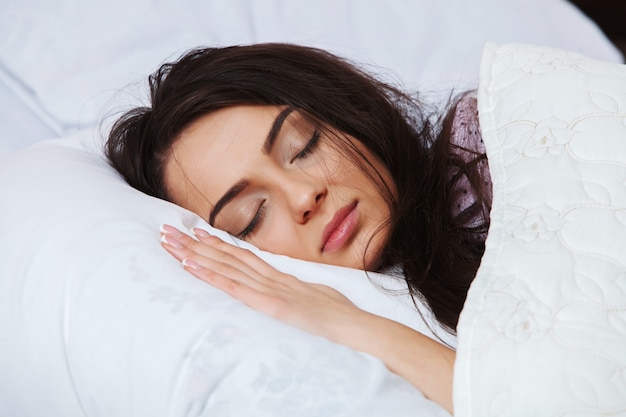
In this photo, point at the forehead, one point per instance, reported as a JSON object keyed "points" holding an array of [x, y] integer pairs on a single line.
{"points": [[225, 128], [232, 131], [210, 154]]}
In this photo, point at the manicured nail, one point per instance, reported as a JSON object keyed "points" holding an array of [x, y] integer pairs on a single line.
{"points": [[191, 264], [171, 241], [166, 229], [200, 232]]}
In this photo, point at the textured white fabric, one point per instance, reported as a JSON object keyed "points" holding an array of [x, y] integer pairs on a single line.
{"points": [[69, 59], [96, 319], [543, 331]]}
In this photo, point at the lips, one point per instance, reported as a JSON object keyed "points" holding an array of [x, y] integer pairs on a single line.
{"points": [[341, 227]]}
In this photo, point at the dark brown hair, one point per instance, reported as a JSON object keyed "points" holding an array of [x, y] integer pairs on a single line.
{"points": [[436, 251]]}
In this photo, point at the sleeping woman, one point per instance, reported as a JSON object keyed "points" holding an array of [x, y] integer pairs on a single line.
{"points": [[302, 154]]}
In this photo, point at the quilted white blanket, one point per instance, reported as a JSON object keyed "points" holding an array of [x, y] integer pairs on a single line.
{"points": [[543, 332]]}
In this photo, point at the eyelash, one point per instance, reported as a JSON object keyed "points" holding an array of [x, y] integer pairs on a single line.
{"points": [[310, 146], [258, 217], [256, 220]]}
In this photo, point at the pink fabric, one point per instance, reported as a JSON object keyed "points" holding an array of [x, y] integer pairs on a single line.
{"points": [[467, 137]]}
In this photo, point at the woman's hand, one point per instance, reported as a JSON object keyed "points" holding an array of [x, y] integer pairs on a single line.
{"points": [[315, 308]]}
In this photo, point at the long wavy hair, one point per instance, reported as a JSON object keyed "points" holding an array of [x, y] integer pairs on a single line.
{"points": [[437, 252]]}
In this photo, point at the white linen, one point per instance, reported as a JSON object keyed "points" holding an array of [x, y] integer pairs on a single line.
{"points": [[543, 330], [69, 60], [96, 319], [21, 126]]}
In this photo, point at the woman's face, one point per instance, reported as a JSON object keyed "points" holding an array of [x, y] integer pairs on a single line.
{"points": [[270, 176]]}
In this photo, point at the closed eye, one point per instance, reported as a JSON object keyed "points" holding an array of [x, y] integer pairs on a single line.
{"points": [[254, 223], [310, 146]]}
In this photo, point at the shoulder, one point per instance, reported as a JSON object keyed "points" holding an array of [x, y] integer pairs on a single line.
{"points": [[466, 143], [465, 134]]}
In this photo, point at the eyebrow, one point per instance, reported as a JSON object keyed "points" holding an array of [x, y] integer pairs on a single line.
{"points": [[268, 144], [232, 192], [275, 129]]}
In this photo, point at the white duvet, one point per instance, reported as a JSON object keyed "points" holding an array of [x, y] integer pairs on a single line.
{"points": [[543, 331]]}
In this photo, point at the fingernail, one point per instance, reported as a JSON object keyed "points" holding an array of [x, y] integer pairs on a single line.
{"points": [[200, 232], [166, 229], [191, 264], [171, 241]]}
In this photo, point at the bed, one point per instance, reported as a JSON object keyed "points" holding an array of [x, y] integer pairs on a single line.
{"points": [[97, 320]]}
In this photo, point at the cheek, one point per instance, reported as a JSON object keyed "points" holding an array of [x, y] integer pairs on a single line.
{"points": [[349, 168], [281, 243], [326, 163], [373, 255], [277, 237]]}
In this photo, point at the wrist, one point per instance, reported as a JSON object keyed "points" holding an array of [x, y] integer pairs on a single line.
{"points": [[422, 361]]}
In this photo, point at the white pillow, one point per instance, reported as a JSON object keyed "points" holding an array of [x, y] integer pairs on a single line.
{"points": [[69, 58], [97, 319]]}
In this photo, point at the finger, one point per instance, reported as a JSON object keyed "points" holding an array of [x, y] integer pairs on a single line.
{"points": [[247, 256], [181, 245], [204, 245], [174, 247], [225, 258], [251, 258], [175, 234], [202, 234], [267, 299], [209, 256], [236, 252], [253, 289], [233, 287], [234, 272]]}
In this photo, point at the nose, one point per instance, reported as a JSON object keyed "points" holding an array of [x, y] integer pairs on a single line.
{"points": [[304, 197]]}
